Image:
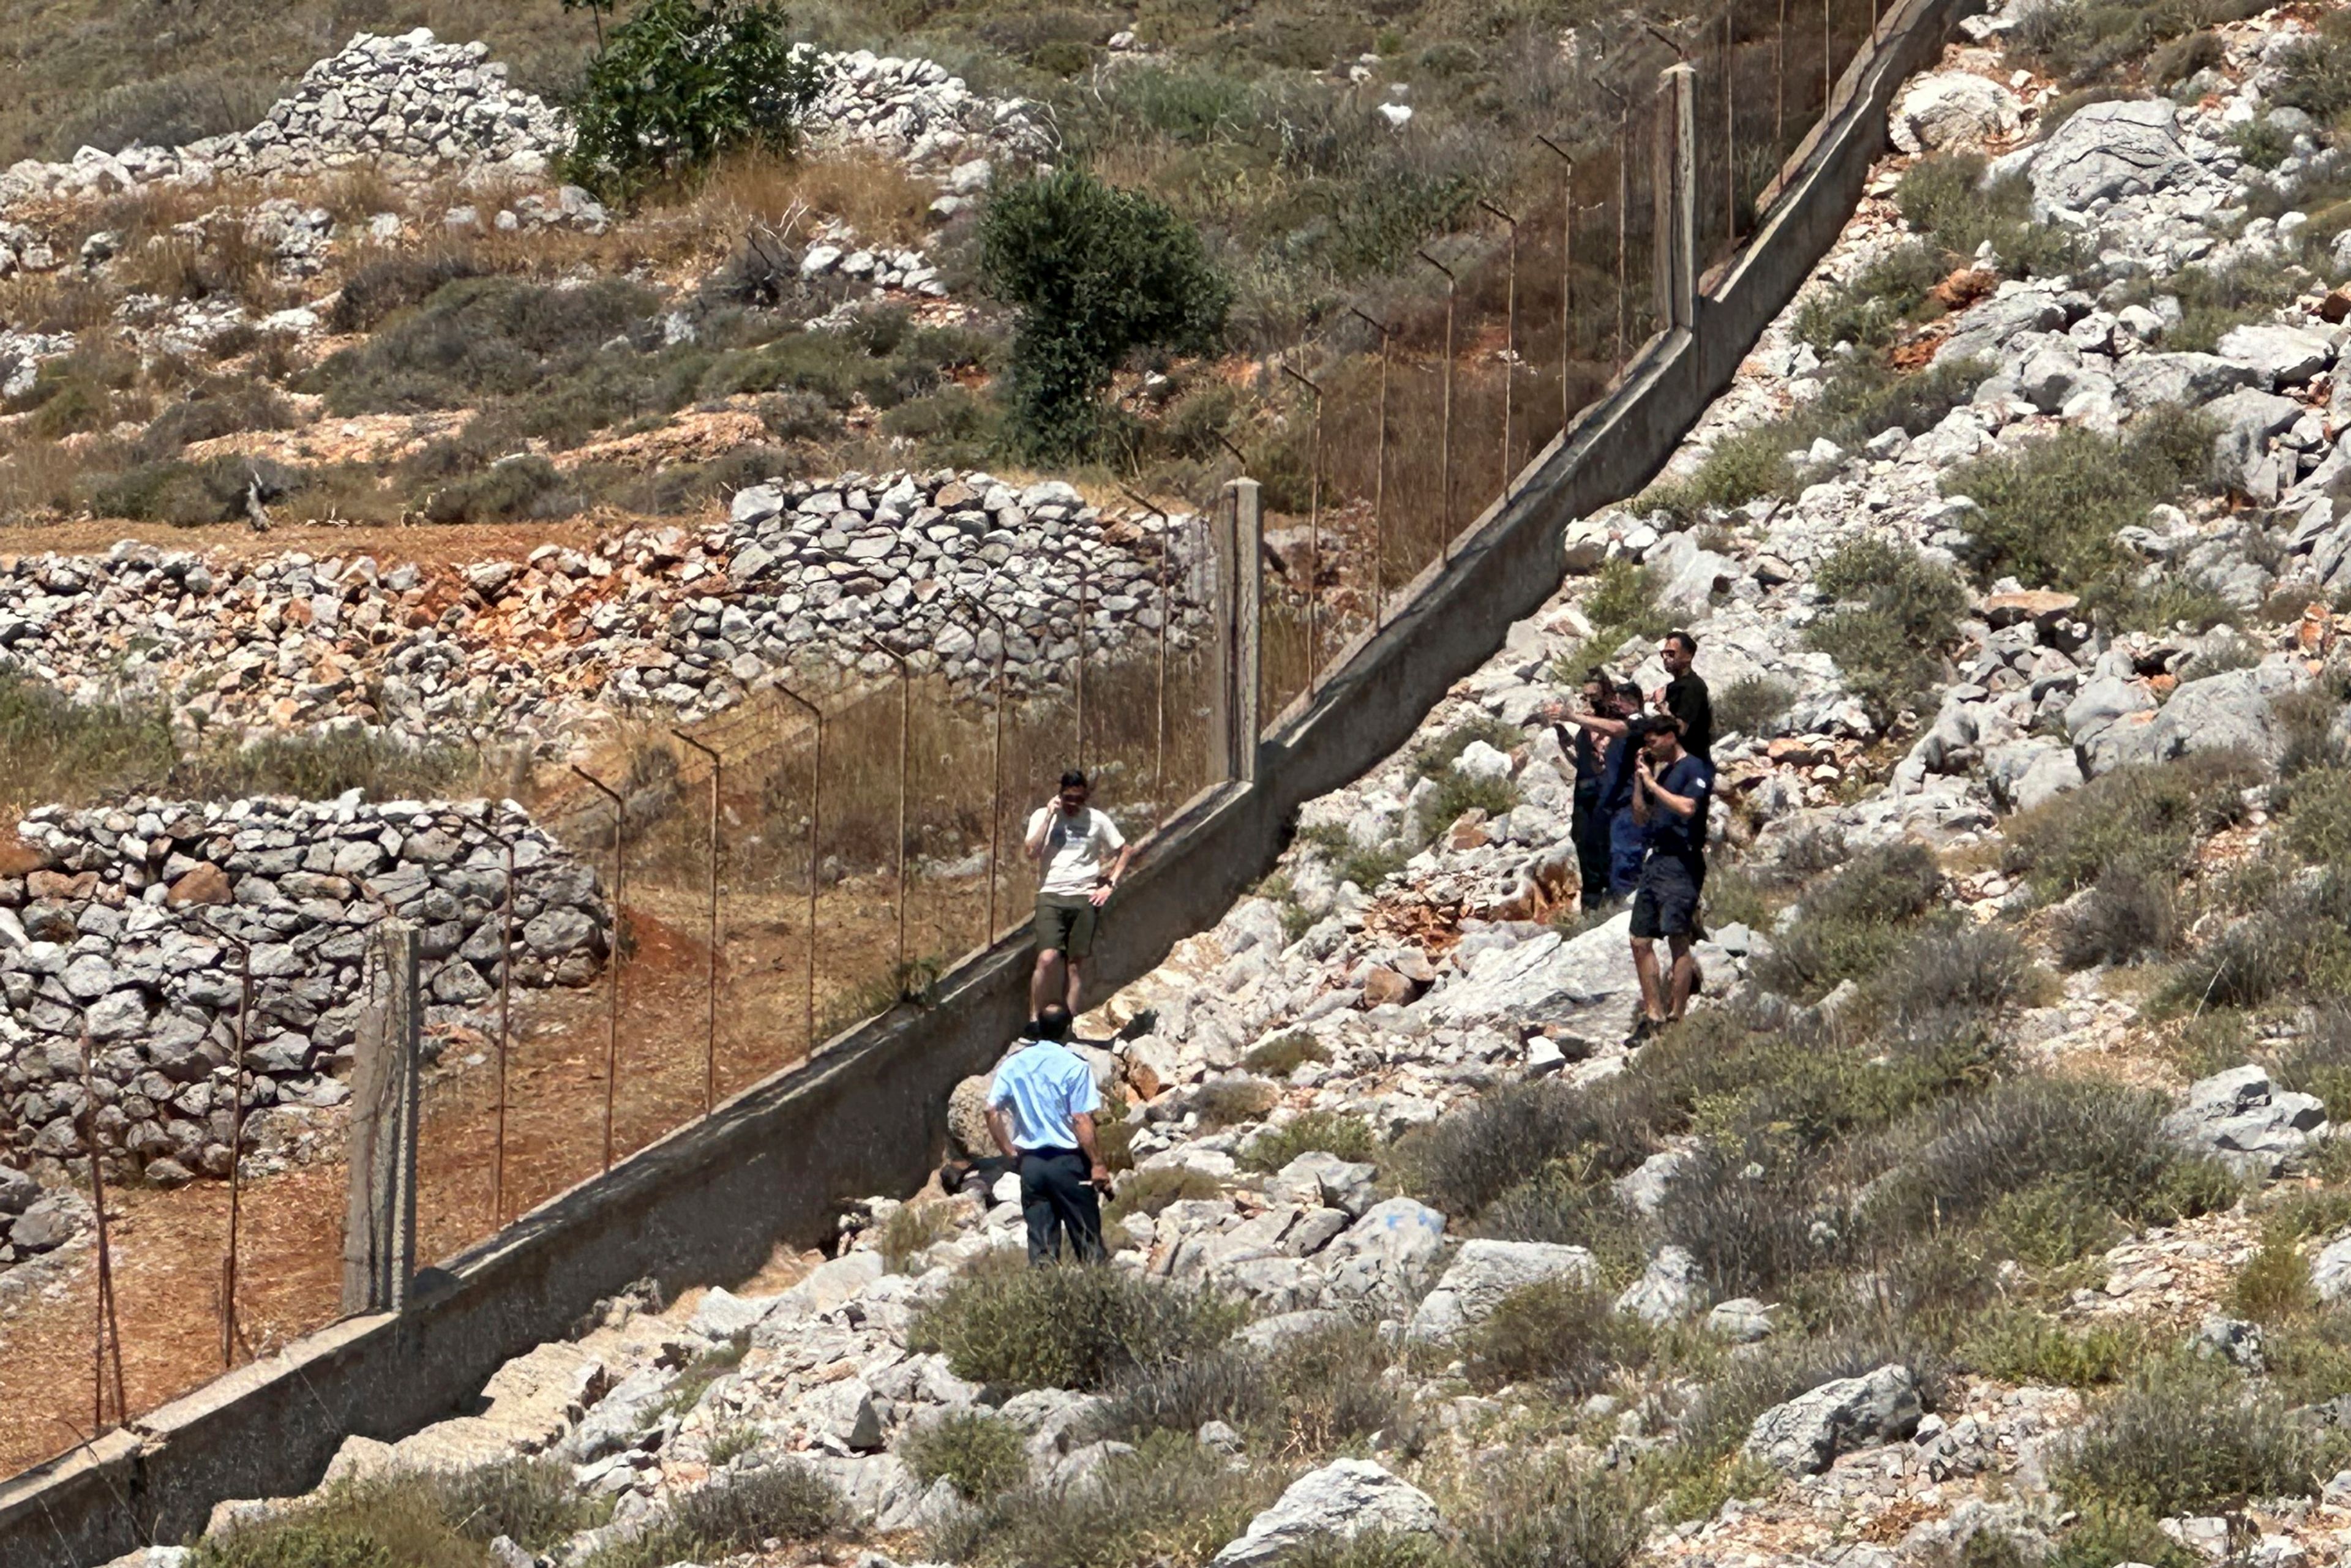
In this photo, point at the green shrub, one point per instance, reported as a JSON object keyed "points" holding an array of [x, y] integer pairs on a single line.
{"points": [[1561, 1332], [2318, 816], [2212, 302], [2316, 75], [1096, 273], [735, 1513], [1969, 970], [1069, 1327], [1170, 1500], [2187, 1435], [1848, 926], [1332, 1389], [1943, 199], [2095, 1142], [1148, 1192], [1435, 759], [682, 81], [1284, 1054], [1556, 1207], [512, 487], [477, 337], [1748, 705], [2143, 820], [2274, 1285], [395, 280], [1223, 1384], [2262, 144], [1551, 1512], [1227, 1102], [911, 1228], [1310, 1132], [1458, 794], [981, 1455], [1868, 308], [2298, 941], [1741, 468], [1471, 1155], [416, 1520], [2319, 1063], [2051, 1222], [1896, 614], [2102, 1536], [2050, 515], [2018, 1345], [2124, 918], [1622, 607]]}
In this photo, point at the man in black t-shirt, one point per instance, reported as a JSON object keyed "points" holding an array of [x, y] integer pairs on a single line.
{"points": [[1685, 695], [1671, 789]]}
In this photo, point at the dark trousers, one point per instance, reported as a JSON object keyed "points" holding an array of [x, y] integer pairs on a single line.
{"points": [[1057, 1194], [1590, 831]]}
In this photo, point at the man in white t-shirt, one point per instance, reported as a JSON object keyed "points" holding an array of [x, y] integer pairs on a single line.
{"points": [[1069, 841]]}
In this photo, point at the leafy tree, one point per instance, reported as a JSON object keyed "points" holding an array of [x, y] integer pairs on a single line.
{"points": [[1098, 272], [682, 81]]}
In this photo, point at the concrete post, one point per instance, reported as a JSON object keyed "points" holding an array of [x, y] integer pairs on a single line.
{"points": [[380, 1222], [1237, 543], [1677, 197]]}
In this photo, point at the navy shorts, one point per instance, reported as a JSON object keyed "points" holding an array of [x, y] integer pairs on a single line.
{"points": [[1665, 904]]}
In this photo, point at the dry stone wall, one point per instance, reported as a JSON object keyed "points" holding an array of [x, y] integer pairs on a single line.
{"points": [[114, 930], [689, 622], [414, 104]]}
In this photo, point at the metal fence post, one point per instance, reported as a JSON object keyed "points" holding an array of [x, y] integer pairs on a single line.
{"points": [[1445, 441], [506, 1011], [1379, 471], [1677, 197], [1729, 137], [1166, 613], [1510, 335], [228, 1325], [1780, 97], [1314, 532], [710, 967], [107, 1335], [380, 1225], [1566, 279], [905, 735], [612, 956], [816, 805]]}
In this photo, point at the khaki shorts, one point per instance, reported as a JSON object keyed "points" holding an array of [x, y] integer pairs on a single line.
{"points": [[1066, 924]]}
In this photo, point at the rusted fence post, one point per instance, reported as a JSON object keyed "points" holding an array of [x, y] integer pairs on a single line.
{"points": [[505, 1018], [612, 955], [1566, 279], [1509, 335], [816, 807], [380, 1223], [710, 964], [228, 1324], [1444, 442], [1314, 532], [107, 1335], [1379, 471], [1238, 540], [1729, 137], [906, 737], [1779, 99], [1166, 613]]}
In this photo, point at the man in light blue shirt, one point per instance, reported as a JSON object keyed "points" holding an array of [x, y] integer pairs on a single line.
{"points": [[1040, 1109]]}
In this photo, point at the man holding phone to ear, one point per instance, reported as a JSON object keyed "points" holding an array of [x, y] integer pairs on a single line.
{"points": [[1069, 841]]}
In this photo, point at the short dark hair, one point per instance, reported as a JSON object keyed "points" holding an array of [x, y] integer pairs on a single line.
{"points": [[1688, 643], [1075, 779], [1053, 1022], [1629, 690]]}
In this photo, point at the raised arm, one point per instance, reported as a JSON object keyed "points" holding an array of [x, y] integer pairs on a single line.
{"points": [[1040, 825]]}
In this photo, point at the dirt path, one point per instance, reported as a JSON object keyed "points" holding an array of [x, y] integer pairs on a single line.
{"points": [[168, 1246]]}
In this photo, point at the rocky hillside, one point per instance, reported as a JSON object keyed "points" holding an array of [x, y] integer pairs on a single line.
{"points": [[1989, 1210]]}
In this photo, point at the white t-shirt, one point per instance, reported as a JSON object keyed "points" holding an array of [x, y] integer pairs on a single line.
{"points": [[1075, 851]]}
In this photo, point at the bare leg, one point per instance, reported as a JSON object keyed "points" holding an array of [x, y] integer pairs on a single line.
{"points": [[1652, 993], [1685, 973], [1071, 1000], [1046, 981]]}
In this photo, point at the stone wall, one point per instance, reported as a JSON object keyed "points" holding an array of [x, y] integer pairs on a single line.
{"points": [[111, 929], [688, 621]]}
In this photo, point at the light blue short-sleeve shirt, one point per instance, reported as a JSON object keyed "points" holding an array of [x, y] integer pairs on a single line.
{"points": [[1045, 1083]]}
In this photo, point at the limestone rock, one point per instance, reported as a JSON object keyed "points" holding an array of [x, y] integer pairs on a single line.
{"points": [[1811, 1430], [1344, 1498], [1483, 1272]]}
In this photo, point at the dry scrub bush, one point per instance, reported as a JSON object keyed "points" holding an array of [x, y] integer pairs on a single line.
{"points": [[1074, 1326], [737, 1513], [2188, 1436], [981, 1455]]}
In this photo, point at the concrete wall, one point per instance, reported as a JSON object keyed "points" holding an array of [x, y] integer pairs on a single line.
{"points": [[868, 1114]]}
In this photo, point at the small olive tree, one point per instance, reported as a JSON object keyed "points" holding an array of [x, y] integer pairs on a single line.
{"points": [[1097, 273], [682, 81]]}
